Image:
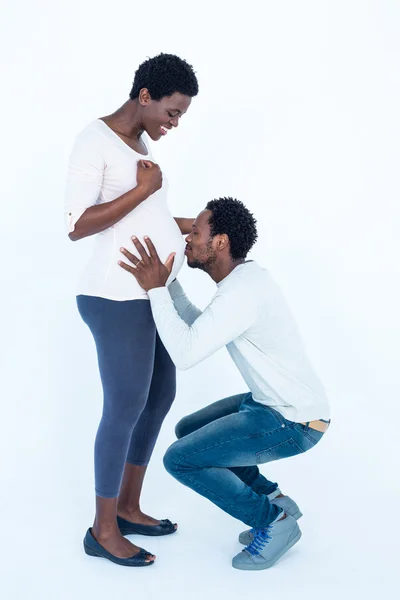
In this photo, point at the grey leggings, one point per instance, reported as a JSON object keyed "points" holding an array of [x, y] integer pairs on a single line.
{"points": [[139, 384]]}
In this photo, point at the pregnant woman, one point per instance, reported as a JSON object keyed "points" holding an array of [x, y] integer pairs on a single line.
{"points": [[115, 189]]}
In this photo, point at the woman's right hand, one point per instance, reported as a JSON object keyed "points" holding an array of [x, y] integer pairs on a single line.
{"points": [[149, 177], [100, 217]]}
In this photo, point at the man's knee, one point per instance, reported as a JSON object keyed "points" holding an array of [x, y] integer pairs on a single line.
{"points": [[181, 428], [169, 460], [173, 458]]}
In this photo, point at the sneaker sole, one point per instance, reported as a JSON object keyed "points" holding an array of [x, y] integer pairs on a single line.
{"points": [[261, 567]]}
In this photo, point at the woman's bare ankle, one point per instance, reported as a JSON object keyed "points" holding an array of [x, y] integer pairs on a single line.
{"points": [[105, 531]]}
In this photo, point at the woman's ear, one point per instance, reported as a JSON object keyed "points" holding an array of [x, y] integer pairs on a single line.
{"points": [[144, 97]]}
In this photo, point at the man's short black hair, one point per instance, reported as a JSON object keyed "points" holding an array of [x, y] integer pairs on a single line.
{"points": [[230, 216], [163, 76]]}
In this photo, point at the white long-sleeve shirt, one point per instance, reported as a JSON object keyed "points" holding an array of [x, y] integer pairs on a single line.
{"points": [[249, 316], [102, 168]]}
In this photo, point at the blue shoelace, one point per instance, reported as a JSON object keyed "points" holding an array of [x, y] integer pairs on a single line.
{"points": [[261, 539]]}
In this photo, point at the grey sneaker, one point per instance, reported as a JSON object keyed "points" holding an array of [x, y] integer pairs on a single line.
{"points": [[288, 505], [268, 545]]}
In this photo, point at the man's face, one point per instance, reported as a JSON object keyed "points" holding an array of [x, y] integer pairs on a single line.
{"points": [[199, 244]]}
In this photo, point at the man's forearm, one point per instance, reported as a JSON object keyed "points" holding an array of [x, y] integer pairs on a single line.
{"points": [[186, 310], [173, 330], [221, 322], [184, 224]]}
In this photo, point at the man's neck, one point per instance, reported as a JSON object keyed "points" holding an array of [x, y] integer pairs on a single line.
{"points": [[222, 268]]}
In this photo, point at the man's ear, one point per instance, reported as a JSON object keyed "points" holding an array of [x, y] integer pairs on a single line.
{"points": [[223, 241]]}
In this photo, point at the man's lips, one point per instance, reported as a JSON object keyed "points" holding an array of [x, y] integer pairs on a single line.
{"points": [[187, 249]]}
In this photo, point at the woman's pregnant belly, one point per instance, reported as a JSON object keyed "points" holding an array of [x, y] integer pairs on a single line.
{"points": [[105, 278]]}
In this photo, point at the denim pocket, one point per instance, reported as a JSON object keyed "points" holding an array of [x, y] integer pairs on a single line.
{"points": [[283, 450], [309, 436]]}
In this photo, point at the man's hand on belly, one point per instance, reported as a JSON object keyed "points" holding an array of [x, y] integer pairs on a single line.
{"points": [[149, 271]]}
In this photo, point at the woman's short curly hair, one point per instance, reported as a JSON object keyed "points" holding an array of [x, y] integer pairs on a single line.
{"points": [[230, 216], [163, 76]]}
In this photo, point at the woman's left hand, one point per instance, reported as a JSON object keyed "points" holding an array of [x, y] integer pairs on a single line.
{"points": [[149, 271]]}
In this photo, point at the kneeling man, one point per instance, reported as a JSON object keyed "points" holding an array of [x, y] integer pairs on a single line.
{"points": [[286, 411]]}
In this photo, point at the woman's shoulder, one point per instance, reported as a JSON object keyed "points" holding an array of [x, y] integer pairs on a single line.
{"points": [[91, 139], [94, 129]]}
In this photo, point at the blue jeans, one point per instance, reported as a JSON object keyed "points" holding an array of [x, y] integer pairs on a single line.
{"points": [[220, 446]]}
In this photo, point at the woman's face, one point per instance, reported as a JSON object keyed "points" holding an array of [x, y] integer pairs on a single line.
{"points": [[159, 116]]}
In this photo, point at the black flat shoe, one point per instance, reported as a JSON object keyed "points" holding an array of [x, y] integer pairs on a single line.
{"points": [[93, 548], [128, 528]]}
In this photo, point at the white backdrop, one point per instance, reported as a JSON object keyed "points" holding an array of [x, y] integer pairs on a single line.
{"points": [[298, 116]]}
